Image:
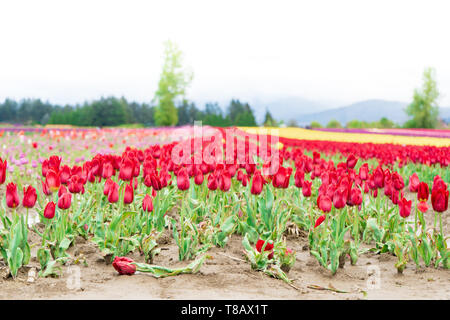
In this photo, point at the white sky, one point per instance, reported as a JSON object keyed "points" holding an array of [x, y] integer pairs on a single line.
{"points": [[336, 51]]}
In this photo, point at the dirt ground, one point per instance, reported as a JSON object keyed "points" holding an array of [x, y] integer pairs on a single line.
{"points": [[227, 276]]}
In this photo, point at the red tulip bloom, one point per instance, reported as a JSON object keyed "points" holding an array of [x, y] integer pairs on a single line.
{"points": [[45, 189], [319, 221], [224, 182], [65, 201], [212, 182], [438, 183], [439, 200], [29, 197], [126, 170], [245, 180], [299, 177], [12, 198], [147, 203], [113, 192], [339, 198], [123, 265], [405, 207], [355, 197], [306, 189], [397, 181], [52, 180], [49, 211], [423, 192], [183, 180], [378, 177], [257, 183], [364, 172], [269, 247], [414, 182], [198, 180], [3, 165], [324, 203], [61, 191], [240, 175], [107, 186], [351, 161], [64, 175], [75, 184], [128, 194], [422, 206], [108, 170]]}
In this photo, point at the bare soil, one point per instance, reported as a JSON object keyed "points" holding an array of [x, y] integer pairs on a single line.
{"points": [[227, 276]]}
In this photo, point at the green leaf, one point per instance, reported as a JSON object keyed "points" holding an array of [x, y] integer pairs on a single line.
{"points": [[65, 243]]}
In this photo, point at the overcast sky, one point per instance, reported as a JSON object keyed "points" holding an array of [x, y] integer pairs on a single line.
{"points": [[330, 51]]}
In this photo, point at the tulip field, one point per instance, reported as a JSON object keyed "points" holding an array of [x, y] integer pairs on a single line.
{"points": [[224, 213]]}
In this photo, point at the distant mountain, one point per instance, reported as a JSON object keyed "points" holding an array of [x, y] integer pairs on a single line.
{"points": [[369, 110], [286, 108]]}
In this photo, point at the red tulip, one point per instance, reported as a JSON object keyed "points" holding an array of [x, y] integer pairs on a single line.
{"points": [[306, 189], [319, 221], [324, 203], [414, 182], [12, 198], [49, 211], [224, 181], [61, 191], [364, 172], [128, 194], [52, 180], [439, 200], [107, 186], [351, 161], [75, 184], [45, 189], [423, 192], [355, 197], [257, 183], [29, 197], [64, 175], [198, 180], [378, 177], [299, 177], [126, 170], [405, 207], [340, 198], [123, 265], [113, 192], [183, 180], [3, 166], [212, 182], [438, 183], [147, 203], [65, 201], [108, 170], [269, 247], [422, 206], [397, 181]]}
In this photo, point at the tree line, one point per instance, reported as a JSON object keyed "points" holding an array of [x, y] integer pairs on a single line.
{"points": [[112, 111]]}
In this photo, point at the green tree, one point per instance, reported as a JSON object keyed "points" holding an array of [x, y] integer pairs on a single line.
{"points": [[424, 109], [269, 121], [385, 123], [334, 124], [172, 84], [354, 124], [315, 124]]}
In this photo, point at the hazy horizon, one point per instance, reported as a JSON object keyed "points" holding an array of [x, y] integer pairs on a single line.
{"points": [[332, 53]]}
